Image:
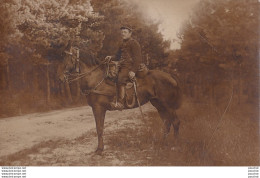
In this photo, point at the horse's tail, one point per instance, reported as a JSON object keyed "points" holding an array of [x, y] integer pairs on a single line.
{"points": [[178, 101], [177, 79]]}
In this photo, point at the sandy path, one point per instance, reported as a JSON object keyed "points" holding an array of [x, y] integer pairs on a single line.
{"points": [[21, 132], [68, 138]]}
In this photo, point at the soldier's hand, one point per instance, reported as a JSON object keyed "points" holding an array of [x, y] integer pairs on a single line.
{"points": [[131, 75], [108, 58]]}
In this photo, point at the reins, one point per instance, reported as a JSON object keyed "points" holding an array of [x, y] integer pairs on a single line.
{"points": [[81, 75]]}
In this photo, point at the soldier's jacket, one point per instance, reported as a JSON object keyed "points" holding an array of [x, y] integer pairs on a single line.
{"points": [[129, 53]]}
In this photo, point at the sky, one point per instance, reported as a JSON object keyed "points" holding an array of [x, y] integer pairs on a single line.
{"points": [[171, 14]]}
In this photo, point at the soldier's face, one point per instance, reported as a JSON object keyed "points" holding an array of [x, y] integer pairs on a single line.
{"points": [[126, 34]]}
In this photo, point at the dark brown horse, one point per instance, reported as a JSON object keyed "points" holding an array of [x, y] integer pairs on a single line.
{"points": [[156, 86]]}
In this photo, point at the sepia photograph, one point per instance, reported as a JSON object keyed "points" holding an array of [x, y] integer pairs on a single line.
{"points": [[129, 83]]}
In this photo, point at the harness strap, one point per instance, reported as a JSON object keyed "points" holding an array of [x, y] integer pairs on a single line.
{"points": [[79, 76], [93, 90], [97, 92], [67, 52]]}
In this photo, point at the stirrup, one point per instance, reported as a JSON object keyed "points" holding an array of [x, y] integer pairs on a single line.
{"points": [[117, 105]]}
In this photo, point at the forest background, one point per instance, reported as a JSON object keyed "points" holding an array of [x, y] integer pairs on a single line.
{"points": [[217, 59]]}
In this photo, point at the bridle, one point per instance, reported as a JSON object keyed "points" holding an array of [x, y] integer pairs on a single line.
{"points": [[78, 75]]}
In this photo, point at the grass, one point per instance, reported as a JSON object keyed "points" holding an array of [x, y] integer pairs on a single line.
{"points": [[234, 143], [24, 157]]}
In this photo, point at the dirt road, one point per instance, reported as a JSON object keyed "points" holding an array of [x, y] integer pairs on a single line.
{"points": [[43, 130], [68, 138]]}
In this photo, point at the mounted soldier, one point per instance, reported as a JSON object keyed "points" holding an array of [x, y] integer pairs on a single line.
{"points": [[154, 86], [130, 57]]}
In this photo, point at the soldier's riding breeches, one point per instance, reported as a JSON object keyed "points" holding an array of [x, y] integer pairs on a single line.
{"points": [[123, 75]]}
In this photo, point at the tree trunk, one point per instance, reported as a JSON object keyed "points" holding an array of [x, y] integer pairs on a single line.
{"points": [[23, 79], [67, 87], [8, 87], [240, 90], [198, 88], [61, 89], [212, 94], [48, 84], [147, 62], [78, 90], [3, 84], [35, 85]]}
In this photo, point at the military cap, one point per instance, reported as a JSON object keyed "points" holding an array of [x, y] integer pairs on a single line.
{"points": [[126, 27]]}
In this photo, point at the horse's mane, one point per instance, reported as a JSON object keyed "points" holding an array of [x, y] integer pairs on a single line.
{"points": [[92, 62], [89, 59]]}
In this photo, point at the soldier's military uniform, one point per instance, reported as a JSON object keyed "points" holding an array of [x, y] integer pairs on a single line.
{"points": [[130, 57]]}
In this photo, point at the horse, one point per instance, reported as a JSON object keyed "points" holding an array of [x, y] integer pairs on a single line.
{"points": [[156, 87]]}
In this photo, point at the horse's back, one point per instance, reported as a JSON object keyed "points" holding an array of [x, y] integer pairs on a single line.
{"points": [[167, 89]]}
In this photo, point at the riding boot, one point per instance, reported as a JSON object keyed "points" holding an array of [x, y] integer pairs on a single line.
{"points": [[119, 104], [121, 97]]}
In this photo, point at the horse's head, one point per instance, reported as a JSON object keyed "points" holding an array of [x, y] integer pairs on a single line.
{"points": [[68, 66]]}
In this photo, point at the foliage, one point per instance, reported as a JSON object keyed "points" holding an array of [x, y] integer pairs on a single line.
{"points": [[117, 13], [42, 29], [222, 32], [35, 34], [220, 41]]}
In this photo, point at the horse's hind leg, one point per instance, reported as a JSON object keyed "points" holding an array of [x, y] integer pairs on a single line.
{"points": [[175, 123], [169, 118], [166, 118], [166, 122]]}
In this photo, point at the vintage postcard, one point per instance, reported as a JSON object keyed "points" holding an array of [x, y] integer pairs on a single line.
{"points": [[129, 83]]}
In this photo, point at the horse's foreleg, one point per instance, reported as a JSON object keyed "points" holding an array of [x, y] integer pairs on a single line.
{"points": [[99, 114]]}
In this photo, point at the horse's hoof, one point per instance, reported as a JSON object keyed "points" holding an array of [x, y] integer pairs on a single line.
{"points": [[99, 151]]}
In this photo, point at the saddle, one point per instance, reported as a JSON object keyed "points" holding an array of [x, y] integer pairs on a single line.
{"points": [[130, 95], [112, 70], [130, 90]]}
